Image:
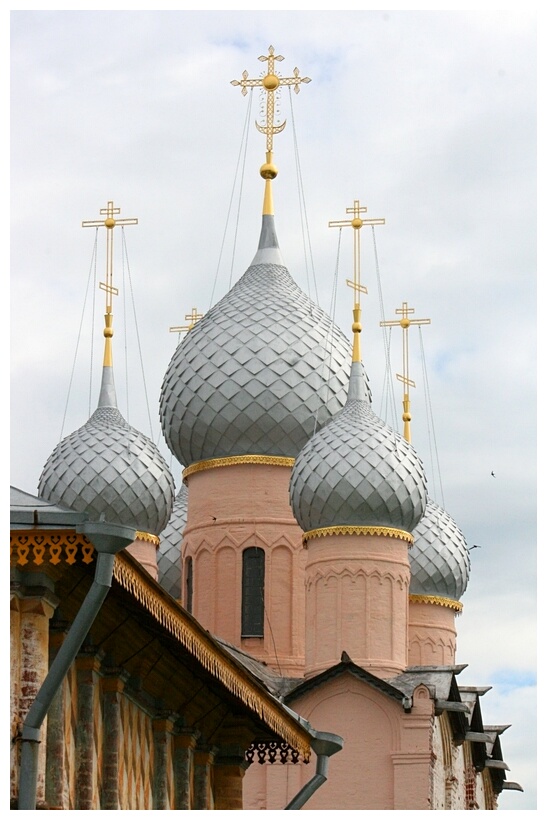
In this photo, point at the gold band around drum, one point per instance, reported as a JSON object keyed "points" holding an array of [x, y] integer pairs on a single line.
{"points": [[346, 529], [436, 599], [147, 536], [230, 461]]}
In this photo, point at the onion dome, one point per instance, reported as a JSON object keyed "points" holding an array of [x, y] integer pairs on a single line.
{"points": [[169, 550], [259, 373], [439, 556], [110, 470], [357, 471]]}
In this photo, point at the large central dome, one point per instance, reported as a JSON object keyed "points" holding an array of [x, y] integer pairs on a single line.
{"points": [[259, 373]]}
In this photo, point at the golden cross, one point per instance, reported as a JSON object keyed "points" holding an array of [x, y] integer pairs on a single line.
{"points": [[270, 82], [356, 223], [405, 323], [193, 318], [109, 223]]}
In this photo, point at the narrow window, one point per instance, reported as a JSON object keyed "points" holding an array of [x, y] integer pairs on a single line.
{"points": [[252, 598], [189, 583]]}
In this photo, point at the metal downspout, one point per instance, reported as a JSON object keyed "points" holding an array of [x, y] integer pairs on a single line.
{"points": [[108, 539], [324, 744]]}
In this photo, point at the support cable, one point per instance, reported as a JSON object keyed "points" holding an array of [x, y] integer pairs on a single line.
{"points": [[388, 392], [330, 338], [303, 211], [240, 163], [92, 275], [433, 449], [124, 245]]}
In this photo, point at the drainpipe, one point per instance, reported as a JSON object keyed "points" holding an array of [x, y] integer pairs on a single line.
{"points": [[324, 744], [108, 539]]}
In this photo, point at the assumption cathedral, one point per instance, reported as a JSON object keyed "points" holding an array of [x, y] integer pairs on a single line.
{"points": [[279, 634]]}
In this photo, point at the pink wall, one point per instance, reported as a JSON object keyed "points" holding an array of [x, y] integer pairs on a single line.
{"points": [[431, 634], [385, 763], [357, 602], [231, 508]]}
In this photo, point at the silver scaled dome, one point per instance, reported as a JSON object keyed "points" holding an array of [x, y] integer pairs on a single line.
{"points": [[108, 469], [357, 471], [170, 550], [259, 372], [439, 556]]}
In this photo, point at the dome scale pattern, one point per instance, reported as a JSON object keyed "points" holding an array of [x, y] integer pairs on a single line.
{"points": [[439, 556], [259, 373], [356, 471], [108, 469]]}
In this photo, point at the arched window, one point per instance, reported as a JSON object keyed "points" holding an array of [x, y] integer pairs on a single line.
{"points": [[252, 593], [188, 584]]}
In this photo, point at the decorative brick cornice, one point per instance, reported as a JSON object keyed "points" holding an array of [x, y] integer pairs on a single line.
{"points": [[436, 599], [230, 461], [346, 529]]}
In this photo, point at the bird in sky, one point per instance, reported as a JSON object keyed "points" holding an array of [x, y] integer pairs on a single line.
{"points": [[492, 473], [475, 547]]}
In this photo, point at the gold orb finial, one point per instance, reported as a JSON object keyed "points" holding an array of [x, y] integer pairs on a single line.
{"points": [[270, 82], [110, 222], [268, 170]]}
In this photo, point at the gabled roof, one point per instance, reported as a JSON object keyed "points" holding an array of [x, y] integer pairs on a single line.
{"points": [[346, 665]]}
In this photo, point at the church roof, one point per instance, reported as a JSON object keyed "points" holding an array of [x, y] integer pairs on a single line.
{"points": [[357, 471], [439, 557], [262, 369], [109, 469], [170, 546]]}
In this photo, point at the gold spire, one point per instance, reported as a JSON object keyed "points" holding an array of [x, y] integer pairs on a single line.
{"points": [[109, 223], [192, 318], [270, 82], [405, 322], [356, 223]]}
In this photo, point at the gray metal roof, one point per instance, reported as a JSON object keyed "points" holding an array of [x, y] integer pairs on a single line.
{"points": [[357, 471], [258, 373], [28, 510], [169, 551], [108, 469], [439, 557]]}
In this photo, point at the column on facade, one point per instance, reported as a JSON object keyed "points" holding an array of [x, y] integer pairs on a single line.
{"points": [[203, 766], [112, 685], [184, 744], [89, 711], [230, 768], [163, 745], [57, 780], [35, 608]]}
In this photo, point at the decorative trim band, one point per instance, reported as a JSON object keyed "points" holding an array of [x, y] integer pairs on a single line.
{"points": [[147, 536], [173, 619], [51, 547], [347, 529], [229, 461], [436, 599]]}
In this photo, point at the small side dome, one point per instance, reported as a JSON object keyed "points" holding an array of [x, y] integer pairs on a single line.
{"points": [[357, 471], [439, 556], [107, 468], [169, 550]]}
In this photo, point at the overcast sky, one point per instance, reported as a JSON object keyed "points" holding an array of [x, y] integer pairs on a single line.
{"points": [[428, 118]]}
